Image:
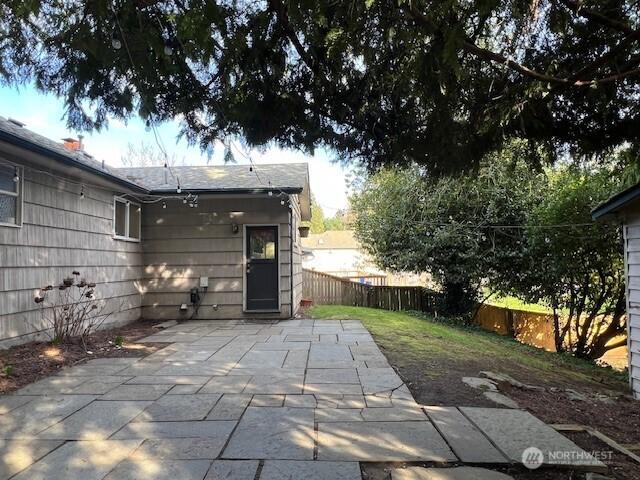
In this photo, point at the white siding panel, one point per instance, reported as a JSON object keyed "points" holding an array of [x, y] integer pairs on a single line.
{"points": [[63, 232]]}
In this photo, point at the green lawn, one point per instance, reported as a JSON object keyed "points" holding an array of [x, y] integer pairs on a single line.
{"points": [[516, 304], [412, 338]]}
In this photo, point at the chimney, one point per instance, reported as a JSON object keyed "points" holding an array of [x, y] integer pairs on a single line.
{"points": [[73, 144]]}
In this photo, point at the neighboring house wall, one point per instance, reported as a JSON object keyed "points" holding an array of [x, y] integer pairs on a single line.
{"points": [[632, 261], [182, 244], [334, 261], [62, 232]]}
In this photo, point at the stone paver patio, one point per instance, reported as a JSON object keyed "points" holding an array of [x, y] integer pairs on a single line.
{"points": [[239, 400]]}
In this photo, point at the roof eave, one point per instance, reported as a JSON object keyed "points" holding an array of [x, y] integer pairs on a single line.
{"points": [[32, 147], [229, 191], [616, 203]]}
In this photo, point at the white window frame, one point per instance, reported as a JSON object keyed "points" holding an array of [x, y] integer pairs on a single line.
{"points": [[128, 204], [18, 194]]}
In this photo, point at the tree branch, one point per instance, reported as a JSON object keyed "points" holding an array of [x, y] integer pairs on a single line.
{"points": [[482, 53], [283, 17], [576, 7]]}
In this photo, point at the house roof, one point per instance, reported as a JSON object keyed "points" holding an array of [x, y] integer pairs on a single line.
{"points": [[14, 133], [331, 240], [617, 203], [290, 177]]}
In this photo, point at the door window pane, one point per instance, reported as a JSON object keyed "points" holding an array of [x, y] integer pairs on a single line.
{"points": [[8, 209], [6, 179], [134, 221], [121, 219], [262, 244]]}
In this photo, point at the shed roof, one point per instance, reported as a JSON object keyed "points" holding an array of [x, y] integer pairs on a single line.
{"points": [[290, 177], [616, 203]]}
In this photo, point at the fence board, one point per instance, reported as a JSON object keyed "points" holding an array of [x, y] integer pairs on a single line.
{"points": [[325, 289]]}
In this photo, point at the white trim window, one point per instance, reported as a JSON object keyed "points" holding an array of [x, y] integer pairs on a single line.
{"points": [[126, 220], [10, 195]]}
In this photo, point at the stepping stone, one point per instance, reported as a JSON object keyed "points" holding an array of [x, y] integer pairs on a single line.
{"points": [[217, 429], [300, 401], [16, 455], [169, 380], [229, 384], [200, 448], [196, 368], [273, 433], [382, 442], [52, 385], [232, 470], [184, 390], [99, 385], [329, 415], [10, 402], [179, 408], [377, 402], [456, 473], [393, 414], [291, 346], [39, 414], [81, 460], [373, 383], [287, 470], [468, 443], [323, 355], [333, 388], [332, 375], [137, 392], [267, 400], [152, 469], [282, 383], [263, 359], [230, 407], [514, 431], [501, 399], [96, 421]]}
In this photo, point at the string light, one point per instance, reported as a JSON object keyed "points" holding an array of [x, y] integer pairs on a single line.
{"points": [[82, 192], [164, 204], [115, 41]]}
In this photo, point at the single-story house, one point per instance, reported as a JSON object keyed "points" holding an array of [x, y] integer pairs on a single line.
{"points": [[625, 206], [149, 237]]}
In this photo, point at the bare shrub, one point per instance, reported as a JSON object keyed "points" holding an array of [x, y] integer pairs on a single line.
{"points": [[70, 310]]}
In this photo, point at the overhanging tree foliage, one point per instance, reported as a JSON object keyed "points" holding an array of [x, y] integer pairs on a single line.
{"points": [[446, 226], [511, 230], [438, 83]]}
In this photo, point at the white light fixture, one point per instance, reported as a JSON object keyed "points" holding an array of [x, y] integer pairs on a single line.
{"points": [[16, 176], [82, 192], [164, 204]]}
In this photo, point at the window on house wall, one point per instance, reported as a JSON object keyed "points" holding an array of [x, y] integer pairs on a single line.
{"points": [[10, 195], [126, 220]]}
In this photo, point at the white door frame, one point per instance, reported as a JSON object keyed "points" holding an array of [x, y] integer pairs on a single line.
{"points": [[244, 266]]}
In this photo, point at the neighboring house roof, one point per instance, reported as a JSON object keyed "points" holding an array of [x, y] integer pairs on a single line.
{"points": [[12, 132], [331, 240], [289, 178], [617, 202]]}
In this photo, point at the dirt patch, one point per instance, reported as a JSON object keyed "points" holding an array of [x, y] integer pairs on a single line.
{"points": [[620, 466], [382, 471], [24, 364]]}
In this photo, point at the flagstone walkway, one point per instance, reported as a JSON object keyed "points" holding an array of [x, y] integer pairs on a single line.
{"points": [[239, 400]]}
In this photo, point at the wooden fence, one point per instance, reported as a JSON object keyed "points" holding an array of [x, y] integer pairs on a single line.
{"points": [[325, 289]]}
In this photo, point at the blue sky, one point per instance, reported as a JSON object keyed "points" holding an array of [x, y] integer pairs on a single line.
{"points": [[44, 115]]}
